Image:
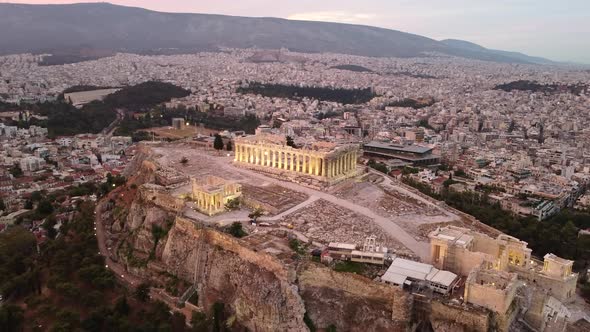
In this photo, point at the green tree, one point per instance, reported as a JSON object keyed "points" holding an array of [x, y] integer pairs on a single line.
{"points": [[290, 141], [16, 171], [229, 146], [121, 306], [142, 292], [218, 315], [218, 142], [2, 205], [45, 207], [36, 196], [11, 318], [200, 322], [236, 230], [307, 320], [233, 204], [255, 214], [184, 161]]}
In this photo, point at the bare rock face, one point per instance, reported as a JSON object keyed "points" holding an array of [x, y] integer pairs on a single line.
{"points": [[261, 291], [351, 302], [253, 285]]}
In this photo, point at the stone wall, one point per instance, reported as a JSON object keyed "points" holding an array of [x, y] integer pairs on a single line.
{"points": [[449, 317], [491, 289], [149, 193], [351, 302]]}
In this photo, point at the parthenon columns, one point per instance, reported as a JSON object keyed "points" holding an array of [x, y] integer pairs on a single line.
{"points": [[300, 161]]}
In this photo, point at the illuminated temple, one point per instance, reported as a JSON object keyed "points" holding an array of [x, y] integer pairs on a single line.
{"points": [[212, 193], [324, 162]]}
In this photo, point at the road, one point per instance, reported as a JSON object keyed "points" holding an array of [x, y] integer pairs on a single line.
{"points": [[422, 249], [110, 129], [118, 269]]}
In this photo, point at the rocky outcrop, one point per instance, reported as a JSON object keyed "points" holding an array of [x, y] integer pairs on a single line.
{"points": [[260, 291], [450, 317], [253, 285], [351, 302]]}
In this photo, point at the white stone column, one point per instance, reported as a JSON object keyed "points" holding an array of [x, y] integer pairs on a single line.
{"points": [[256, 156], [284, 159], [297, 162], [305, 164], [320, 166], [348, 161], [274, 158], [266, 157], [332, 168], [324, 167]]}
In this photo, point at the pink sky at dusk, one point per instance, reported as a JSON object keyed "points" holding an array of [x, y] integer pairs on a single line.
{"points": [[545, 28]]}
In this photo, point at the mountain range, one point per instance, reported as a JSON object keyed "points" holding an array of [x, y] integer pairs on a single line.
{"points": [[103, 26]]}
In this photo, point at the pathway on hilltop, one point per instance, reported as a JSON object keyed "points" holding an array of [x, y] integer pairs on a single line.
{"points": [[242, 216], [388, 182], [422, 249]]}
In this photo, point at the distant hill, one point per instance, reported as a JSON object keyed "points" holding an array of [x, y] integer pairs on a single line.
{"points": [[51, 28], [475, 49]]}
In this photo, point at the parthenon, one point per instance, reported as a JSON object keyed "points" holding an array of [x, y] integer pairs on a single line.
{"points": [[323, 160]]}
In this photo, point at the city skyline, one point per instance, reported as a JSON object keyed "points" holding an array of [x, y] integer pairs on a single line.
{"points": [[538, 28]]}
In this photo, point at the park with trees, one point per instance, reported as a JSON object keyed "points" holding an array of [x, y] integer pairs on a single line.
{"points": [[340, 95]]}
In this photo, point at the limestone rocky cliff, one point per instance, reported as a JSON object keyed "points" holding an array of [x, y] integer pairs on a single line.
{"points": [[259, 290], [351, 303], [254, 285]]}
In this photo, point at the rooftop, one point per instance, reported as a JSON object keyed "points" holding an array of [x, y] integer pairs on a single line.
{"points": [[419, 149], [402, 269], [457, 235]]}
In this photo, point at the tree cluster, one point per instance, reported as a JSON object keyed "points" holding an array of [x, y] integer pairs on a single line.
{"points": [[144, 96], [524, 85], [343, 96], [381, 167], [412, 103]]}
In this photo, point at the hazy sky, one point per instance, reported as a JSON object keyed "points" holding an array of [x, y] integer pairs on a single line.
{"points": [[556, 29]]}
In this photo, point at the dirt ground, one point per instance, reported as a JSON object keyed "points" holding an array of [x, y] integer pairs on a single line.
{"points": [[325, 222]]}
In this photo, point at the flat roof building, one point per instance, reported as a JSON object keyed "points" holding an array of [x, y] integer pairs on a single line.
{"points": [[415, 154], [404, 272]]}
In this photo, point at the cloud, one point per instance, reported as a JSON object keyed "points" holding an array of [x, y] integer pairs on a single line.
{"points": [[334, 16]]}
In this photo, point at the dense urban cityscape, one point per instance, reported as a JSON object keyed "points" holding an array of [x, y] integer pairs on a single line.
{"points": [[274, 190]]}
